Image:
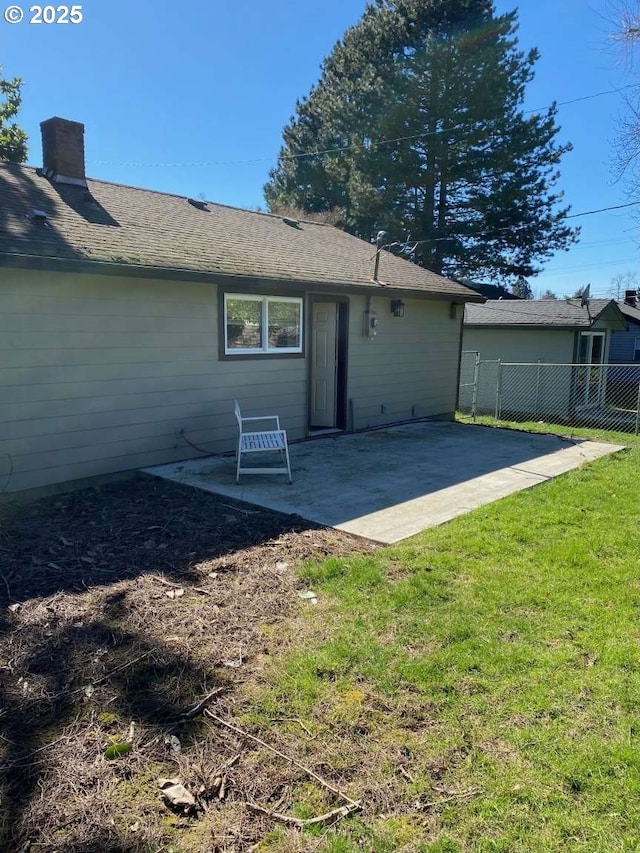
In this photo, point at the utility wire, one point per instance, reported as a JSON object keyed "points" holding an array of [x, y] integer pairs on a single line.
{"points": [[451, 129], [599, 244], [602, 210], [604, 265], [493, 231], [342, 148]]}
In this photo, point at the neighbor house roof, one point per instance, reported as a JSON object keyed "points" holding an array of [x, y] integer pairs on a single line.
{"points": [[629, 312], [106, 224], [543, 313]]}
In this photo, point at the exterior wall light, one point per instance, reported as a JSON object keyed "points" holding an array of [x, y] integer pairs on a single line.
{"points": [[397, 307]]}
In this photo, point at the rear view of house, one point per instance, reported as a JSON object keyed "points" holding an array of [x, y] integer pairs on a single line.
{"points": [[131, 318]]}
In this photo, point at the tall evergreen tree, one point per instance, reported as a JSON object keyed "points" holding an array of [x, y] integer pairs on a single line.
{"points": [[13, 140], [416, 128], [521, 288]]}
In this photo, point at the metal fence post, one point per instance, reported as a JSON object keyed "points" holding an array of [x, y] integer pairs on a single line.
{"points": [[474, 395], [637, 429], [499, 392], [538, 383]]}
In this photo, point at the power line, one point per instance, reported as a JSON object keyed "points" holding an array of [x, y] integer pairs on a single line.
{"points": [[494, 231], [603, 265], [602, 209], [596, 95], [340, 149], [599, 244]]}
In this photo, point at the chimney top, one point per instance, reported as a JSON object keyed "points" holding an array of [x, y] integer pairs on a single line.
{"points": [[631, 298], [63, 151]]}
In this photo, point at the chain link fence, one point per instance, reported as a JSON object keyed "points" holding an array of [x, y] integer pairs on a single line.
{"points": [[606, 396]]}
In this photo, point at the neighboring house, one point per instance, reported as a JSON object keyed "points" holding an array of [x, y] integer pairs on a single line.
{"points": [[560, 332], [130, 317], [625, 345]]}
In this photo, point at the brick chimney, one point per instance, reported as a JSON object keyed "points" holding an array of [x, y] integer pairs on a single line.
{"points": [[63, 151], [631, 298]]}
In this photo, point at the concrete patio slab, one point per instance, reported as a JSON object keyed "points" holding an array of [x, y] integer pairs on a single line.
{"points": [[391, 483]]}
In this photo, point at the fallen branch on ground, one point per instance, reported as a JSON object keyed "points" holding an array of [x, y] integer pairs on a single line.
{"points": [[172, 585], [243, 511], [288, 758], [463, 795], [20, 763], [329, 817], [94, 683], [219, 788], [189, 715], [202, 704], [294, 720]]}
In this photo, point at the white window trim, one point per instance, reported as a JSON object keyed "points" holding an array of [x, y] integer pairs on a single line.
{"points": [[591, 336], [265, 349]]}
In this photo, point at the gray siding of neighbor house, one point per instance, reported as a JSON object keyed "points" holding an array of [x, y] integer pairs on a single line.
{"points": [[523, 388], [98, 373], [554, 346]]}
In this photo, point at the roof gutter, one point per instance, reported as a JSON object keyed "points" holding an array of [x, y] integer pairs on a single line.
{"points": [[93, 267], [548, 327]]}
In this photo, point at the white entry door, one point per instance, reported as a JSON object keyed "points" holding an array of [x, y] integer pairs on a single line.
{"points": [[591, 377], [324, 362]]}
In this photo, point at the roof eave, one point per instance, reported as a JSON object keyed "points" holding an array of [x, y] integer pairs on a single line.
{"points": [[92, 266], [538, 326], [612, 314]]}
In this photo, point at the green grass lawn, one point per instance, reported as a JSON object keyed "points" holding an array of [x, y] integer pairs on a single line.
{"points": [[592, 433], [478, 686]]}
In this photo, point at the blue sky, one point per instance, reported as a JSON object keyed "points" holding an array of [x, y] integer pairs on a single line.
{"points": [[191, 98]]}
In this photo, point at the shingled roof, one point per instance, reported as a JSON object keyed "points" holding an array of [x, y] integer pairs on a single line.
{"points": [[630, 312], [106, 224], [543, 313]]}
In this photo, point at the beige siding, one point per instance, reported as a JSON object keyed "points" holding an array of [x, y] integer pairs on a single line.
{"points": [[98, 373], [409, 369]]}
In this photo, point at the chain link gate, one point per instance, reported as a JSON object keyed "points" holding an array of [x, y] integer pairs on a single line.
{"points": [[605, 396]]}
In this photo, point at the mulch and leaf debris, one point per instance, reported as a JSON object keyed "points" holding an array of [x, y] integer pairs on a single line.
{"points": [[132, 618]]}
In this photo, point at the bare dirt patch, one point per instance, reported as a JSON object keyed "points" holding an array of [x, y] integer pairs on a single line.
{"points": [[120, 609]]}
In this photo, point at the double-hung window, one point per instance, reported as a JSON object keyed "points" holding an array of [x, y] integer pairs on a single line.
{"points": [[262, 325], [636, 349]]}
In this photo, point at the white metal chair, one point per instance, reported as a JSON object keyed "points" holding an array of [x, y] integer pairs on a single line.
{"points": [[266, 441]]}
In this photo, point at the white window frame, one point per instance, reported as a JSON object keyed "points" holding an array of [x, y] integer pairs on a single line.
{"points": [[264, 349], [589, 336]]}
